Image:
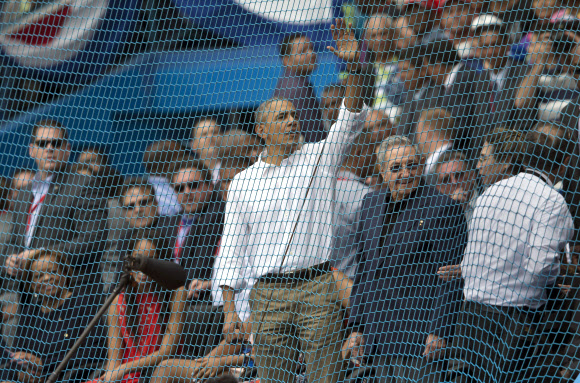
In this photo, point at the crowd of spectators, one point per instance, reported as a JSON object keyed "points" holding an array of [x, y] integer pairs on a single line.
{"points": [[418, 219]]}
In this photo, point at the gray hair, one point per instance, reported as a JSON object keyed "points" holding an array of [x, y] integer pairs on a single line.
{"points": [[391, 142], [446, 157], [262, 110]]}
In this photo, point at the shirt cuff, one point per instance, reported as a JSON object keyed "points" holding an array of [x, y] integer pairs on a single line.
{"points": [[230, 278]]}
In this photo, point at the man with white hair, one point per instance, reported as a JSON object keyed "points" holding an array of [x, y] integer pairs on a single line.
{"points": [[401, 313]]}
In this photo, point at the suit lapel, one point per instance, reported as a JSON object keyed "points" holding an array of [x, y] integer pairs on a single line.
{"points": [[51, 199]]}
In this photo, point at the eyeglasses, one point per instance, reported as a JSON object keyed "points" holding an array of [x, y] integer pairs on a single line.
{"points": [[180, 188], [141, 203], [411, 167], [57, 143]]}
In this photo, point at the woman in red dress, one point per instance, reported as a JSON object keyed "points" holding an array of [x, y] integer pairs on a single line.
{"points": [[145, 323]]}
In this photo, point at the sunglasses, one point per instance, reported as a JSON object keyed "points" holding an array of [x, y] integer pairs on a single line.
{"points": [[412, 167], [141, 203], [180, 188], [57, 143]]}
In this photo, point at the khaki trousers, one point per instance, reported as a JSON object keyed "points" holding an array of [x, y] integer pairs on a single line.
{"points": [[302, 316]]}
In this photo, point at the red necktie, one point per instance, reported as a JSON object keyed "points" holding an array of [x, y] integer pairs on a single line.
{"points": [[178, 245], [31, 211]]}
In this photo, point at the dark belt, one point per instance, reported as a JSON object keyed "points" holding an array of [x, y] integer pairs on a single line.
{"points": [[302, 275]]}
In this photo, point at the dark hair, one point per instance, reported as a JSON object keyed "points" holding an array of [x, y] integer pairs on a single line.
{"points": [[159, 157], [547, 151], [192, 163], [508, 146], [441, 51], [413, 54], [49, 124], [285, 46], [59, 259], [561, 43], [454, 156], [135, 182], [163, 251]]}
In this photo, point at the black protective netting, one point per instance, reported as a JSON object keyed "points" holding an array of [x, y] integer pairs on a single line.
{"points": [[321, 191]]}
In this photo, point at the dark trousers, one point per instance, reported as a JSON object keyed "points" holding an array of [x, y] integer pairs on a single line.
{"points": [[493, 344], [407, 370], [203, 329]]}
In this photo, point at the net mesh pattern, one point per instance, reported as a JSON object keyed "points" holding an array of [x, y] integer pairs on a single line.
{"points": [[322, 191]]}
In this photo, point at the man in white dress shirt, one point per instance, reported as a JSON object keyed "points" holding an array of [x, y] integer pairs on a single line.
{"points": [[278, 231], [519, 228]]}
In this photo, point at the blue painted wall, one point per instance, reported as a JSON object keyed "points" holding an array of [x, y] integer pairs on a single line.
{"points": [[154, 97]]}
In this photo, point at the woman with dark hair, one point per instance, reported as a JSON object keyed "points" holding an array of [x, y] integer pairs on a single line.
{"points": [[50, 322], [145, 321]]}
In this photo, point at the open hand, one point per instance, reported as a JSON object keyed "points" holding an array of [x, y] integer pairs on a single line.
{"points": [[16, 263], [346, 43]]}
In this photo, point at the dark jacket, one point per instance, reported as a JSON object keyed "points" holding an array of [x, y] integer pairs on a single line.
{"points": [[50, 336], [397, 298], [468, 100], [299, 90], [73, 220], [505, 113], [200, 246]]}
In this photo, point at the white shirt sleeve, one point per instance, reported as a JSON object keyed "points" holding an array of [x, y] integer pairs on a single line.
{"points": [[231, 258], [341, 137], [551, 229]]}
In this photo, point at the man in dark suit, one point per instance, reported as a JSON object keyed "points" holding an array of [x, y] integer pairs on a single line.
{"points": [[438, 58], [299, 61], [59, 210], [513, 82], [195, 236], [400, 310], [458, 86]]}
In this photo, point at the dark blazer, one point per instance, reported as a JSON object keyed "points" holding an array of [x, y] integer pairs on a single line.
{"points": [[50, 336], [433, 97], [468, 99], [300, 91], [73, 220], [397, 298], [199, 248], [506, 114]]}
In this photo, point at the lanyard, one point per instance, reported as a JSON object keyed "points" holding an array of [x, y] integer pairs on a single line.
{"points": [[180, 240]]}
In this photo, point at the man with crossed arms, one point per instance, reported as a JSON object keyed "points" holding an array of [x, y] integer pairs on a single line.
{"points": [[278, 231]]}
